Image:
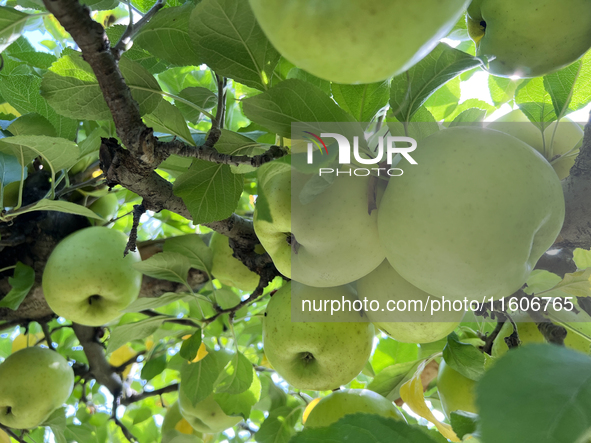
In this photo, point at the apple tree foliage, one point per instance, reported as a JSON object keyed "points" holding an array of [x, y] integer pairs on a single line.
{"points": [[206, 99]]}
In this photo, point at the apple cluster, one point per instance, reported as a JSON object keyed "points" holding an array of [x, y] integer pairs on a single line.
{"points": [[385, 37], [470, 220]]}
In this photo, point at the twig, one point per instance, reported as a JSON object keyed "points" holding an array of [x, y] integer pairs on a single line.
{"points": [[170, 319], [258, 292], [134, 28], [12, 434], [47, 335], [210, 154], [138, 211], [138, 397], [126, 432]]}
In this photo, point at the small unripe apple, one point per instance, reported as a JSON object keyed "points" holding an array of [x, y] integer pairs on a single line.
{"points": [[88, 280], [34, 382], [456, 391], [350, 401]]}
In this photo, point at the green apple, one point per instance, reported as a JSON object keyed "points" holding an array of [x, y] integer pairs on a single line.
{"points": [[357, 41], [350, 401], [473, 217], [456, 392], [529, 38], [559, 145], [206, 416], [34, 382], [106, 206], [385, 284], [274, 182], [227, 268], [315, 355], [87, 280], [174, 424], [335, 240]]}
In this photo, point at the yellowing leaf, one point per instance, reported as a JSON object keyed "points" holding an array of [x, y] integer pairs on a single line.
{"points": [[4, 438], [150, 343], [201, 353], [412, 393], [25, 341], [120, 356], [265, 362], [184, 427], [309, 409], [576, 283]]}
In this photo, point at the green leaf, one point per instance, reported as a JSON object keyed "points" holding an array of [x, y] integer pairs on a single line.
{"points": [[388, 382], [409, 90], [446, 100], [389, 352], [278, 427], [140, 415], [71, 88], [292, 101], [469, 117], [22, 92], [362, 101], [167, 36], [240, 404], [153, 367], [123, 334], [538, 393], [581, 257], [12, 23], [57, 423], [21, 283], [135, 53], [170, 266], [464, 358], [366, 428], [210, 191], [144, 303], [59, 153], [191, 246], [168, 119], [10, 169], [535, 102], [236, 377], [229, 40], [561, 86], [463, 422], [201, 97], [300, 74], [502, 89], [197, 379], [190, 346], [59, 206], [32, 124]]}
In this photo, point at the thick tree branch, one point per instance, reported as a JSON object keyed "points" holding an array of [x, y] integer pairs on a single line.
{"points": [[99, 367], [92, 40], [576, 231]]}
